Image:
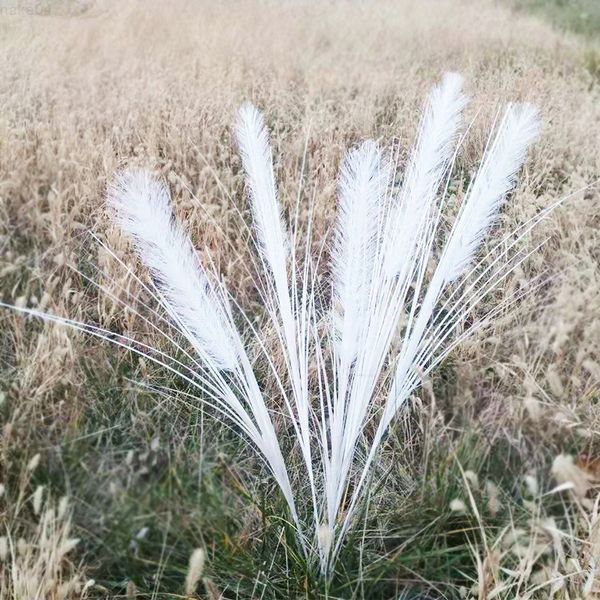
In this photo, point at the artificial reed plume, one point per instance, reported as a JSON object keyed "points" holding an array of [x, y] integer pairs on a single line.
{"points": [[395, 311]]}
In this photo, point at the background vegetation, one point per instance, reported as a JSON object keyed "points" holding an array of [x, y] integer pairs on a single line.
{"points": [[469, 508]]}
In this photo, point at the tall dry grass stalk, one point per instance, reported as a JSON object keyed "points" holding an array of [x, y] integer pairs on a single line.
{"points": [[37, 543]]}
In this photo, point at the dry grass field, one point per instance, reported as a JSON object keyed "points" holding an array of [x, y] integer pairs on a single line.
{"points": [[108, 488]]}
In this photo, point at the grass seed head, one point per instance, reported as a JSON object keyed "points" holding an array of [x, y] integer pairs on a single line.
{"points": [[195, 570], [565, 471]]}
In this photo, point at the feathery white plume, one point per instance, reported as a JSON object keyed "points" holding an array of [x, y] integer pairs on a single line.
{"points": [[496, 177], [143, 209], [427, 166], [273, 245], [363, 185], [273, 242], [283, 305]]}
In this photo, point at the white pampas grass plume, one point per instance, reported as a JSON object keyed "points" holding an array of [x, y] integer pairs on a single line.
{"points": [[272, 240], [143, 210], [363, 184], [495, 178], [272, 236], [255, 150], [198, 308], [287, 308], [428, 164], [195, 570]]}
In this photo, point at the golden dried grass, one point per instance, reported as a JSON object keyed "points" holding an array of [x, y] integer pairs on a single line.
{"points": [[158, 84]]}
